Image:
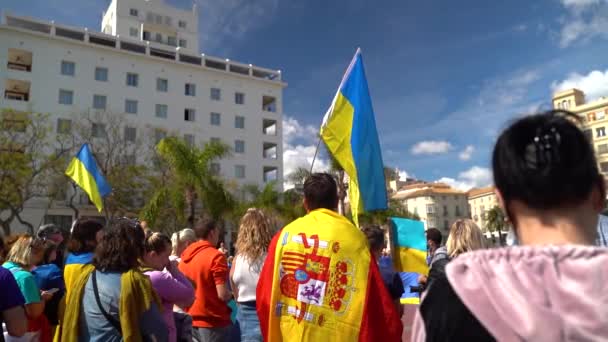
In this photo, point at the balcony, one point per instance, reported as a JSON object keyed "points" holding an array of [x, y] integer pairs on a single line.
{"points": [[269, 104], [19, 60], [271, 173], [17, 90], [269, 127], [269, 150]]}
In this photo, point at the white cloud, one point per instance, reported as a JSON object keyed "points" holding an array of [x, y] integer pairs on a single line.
{"points": [[431, 147], [594, 84], [232, 19], [474, 177], [466, 153], [299, 145], [585, 20]]}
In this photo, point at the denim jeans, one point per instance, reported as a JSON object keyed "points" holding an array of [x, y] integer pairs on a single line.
{"points": [[249, 322]]}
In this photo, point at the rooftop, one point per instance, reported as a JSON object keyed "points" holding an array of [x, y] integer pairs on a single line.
{"points": [[136, 47], [478, 192], [426, 189]]}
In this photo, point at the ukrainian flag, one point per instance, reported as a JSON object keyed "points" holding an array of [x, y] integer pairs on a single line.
{"points": [[409, 254], [83, 170], [349, 132]]}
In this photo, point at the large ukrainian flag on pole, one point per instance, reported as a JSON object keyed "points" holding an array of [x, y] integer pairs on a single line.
{"points": [[349, 132], [83, 170]]}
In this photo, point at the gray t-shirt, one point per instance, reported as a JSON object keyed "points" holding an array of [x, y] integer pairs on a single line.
{"points": [[93, 325]]}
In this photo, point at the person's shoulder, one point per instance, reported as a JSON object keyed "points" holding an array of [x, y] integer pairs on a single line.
{"points": [[6, 275]]}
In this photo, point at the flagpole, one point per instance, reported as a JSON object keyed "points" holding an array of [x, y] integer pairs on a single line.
{"points": [[315, 156]]}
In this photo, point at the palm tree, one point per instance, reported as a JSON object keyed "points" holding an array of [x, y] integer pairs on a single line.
{"points": [[189, 181], [495, 222], [297, 177]]}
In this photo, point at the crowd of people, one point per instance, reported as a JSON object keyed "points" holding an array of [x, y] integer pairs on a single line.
{"points": [[322, 278]]}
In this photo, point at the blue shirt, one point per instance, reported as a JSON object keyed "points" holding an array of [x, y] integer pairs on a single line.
{"points": [[602, 231], [93, 324]]}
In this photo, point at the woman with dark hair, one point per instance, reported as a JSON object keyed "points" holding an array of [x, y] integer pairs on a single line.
{"points": [[85, 236], [171, 285], [49, 278], [553, 286], [113, 300]]}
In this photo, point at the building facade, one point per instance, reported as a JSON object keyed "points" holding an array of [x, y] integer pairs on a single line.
{"points": [[145, 66], [438, 205], [481, 201], [595, 118]]}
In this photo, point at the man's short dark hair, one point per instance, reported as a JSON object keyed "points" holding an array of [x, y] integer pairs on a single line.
{"points": [[203, 227], [321, 191], [434, 235]]}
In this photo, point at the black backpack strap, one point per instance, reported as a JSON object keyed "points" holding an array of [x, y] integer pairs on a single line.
{"points": [[115, 323]]}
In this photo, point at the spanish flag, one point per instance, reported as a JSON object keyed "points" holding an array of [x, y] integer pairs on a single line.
{"points": [[349, 132], [83, 170], [320, 283], [410, 254]]}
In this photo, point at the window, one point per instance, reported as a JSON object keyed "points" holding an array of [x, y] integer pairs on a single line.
{"points": [[98, 130], [457, 211], [162, 84], [239, 98], [445, 210], [168, 21], [446, 225], [215, 119], [189, 114], [190, 89], [133, 12], [181, 24], [161, 111], [64, 126], [600, 132], [214, 168], [101, 74], [602, 148], [172, 41], [131, 106], [239, 122], [132, 79], [158, 37], [216, 94], [269, 103], [431, 222], [239, 146], [239, 171], [600, 115], [130, 133], [66, 97], [146, 35], [430, 209], [189, 139], [150, 17], [100, 101], [604, 167], [159, 135], [182, 43], [133, 32], [68, 68]]}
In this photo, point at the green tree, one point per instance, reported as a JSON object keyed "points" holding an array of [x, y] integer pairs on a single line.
{"points": [[189, 181], [28, 163], [495, 222]]}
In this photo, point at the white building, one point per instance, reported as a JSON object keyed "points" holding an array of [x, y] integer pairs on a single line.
{"points": [[164, 84]]}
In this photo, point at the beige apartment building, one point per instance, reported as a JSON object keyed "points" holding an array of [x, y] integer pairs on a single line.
{"points": [[594, 115], [481, 200], [437, 204]]}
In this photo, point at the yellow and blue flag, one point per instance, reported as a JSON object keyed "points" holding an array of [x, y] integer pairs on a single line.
{"points": [[410, 254], [349, 132], [83, 170]]}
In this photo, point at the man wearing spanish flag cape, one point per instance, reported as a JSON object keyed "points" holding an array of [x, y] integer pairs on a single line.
{"points": [[320, 282]]}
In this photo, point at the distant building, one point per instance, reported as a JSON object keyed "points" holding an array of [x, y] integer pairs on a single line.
{"points": [[595, 117], [145, 65], [437, 204], [481, 200]]}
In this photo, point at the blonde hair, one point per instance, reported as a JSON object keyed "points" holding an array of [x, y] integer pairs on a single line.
{"points": [[465, 236], [23, 249], [255, 233], [180, 239]]}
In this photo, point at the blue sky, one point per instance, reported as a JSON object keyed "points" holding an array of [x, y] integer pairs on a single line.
{"points": [[445, 76]]}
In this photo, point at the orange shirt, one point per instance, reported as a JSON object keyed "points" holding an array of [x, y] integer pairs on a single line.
{"points": [[206, 267]]}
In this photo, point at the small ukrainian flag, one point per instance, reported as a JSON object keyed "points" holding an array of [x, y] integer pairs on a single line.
{"points": [[83, 170]]}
